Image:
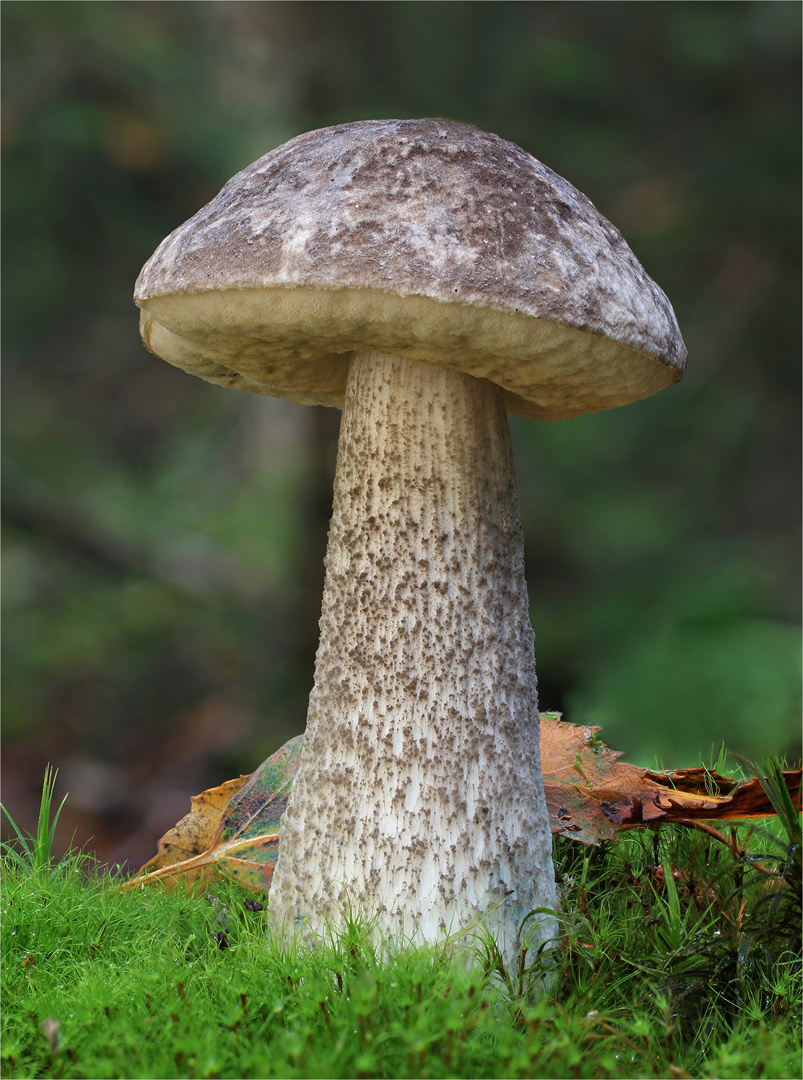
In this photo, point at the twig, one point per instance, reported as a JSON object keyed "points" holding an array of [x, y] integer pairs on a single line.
{"points": [[727, 841]]}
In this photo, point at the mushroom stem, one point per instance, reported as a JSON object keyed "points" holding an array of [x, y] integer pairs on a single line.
{"points": [[419, 798]]}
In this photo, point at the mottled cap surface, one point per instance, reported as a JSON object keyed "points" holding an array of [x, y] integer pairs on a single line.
{"points": [[423, 238]]}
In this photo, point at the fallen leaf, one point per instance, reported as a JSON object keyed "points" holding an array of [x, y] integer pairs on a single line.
{"points": [[591, 795], [574, 763], [233, 827], [195, 833]]}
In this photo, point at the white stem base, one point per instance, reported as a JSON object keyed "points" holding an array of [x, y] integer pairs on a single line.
{"points": [[419, 800]]}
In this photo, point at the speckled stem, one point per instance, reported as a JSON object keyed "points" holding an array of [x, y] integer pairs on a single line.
{"points": [[419, 799]]}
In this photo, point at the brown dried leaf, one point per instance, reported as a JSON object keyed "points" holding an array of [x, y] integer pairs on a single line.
{"points": [[195, 833], [233, 828], [591, 795]]}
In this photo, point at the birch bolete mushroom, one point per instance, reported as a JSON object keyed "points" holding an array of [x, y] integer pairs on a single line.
{"points": [[428, 278]]}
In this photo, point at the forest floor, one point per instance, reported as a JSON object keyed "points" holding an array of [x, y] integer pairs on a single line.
{"points": [[679, 956]]}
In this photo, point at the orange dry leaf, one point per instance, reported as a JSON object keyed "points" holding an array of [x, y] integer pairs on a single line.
{"points": [[233, 828], [195, 833], [590, 794]]}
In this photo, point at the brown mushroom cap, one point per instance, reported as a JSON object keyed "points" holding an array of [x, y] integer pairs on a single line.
{"points": [[422, 238]]}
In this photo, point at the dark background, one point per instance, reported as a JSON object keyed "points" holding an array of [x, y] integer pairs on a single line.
{"points": [[163, 538]]}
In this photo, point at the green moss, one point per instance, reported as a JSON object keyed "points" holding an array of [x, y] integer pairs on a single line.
{"points": [[149, 983]]}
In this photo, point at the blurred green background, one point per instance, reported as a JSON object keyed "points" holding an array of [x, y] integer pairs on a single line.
{"points": [[163, 538]]}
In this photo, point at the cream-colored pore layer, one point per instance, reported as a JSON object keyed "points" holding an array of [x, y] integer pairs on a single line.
{"points": [[296, 342]]}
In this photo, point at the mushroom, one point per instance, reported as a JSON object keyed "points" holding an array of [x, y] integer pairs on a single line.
{"points": [[428, 278]]}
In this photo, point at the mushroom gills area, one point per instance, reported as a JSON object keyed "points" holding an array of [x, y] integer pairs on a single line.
{"points": [[419, 800]]}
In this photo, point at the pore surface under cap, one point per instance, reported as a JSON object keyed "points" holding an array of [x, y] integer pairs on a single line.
{"points": [[424, 238]]}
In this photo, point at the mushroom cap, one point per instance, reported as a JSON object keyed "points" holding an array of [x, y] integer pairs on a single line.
{"points": [[422, 238]]}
